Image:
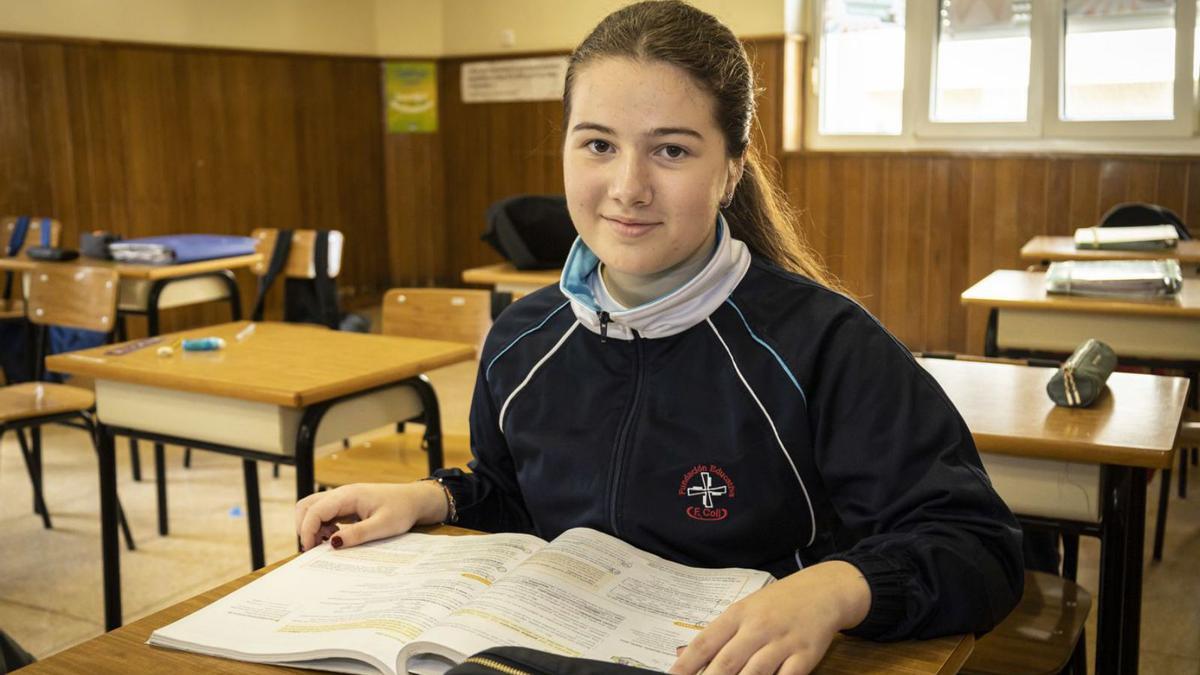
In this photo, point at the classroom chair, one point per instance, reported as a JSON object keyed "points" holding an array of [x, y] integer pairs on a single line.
{"points": [[1189, 439], [430, 313], [1134, 214], [1041, 635], [39, 232], [74, 297]]}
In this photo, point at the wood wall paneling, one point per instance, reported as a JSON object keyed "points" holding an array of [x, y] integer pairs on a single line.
{"points": [[147, 140]]}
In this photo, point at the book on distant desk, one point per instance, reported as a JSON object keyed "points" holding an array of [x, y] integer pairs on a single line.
{"points": [[1115, 278], [421, 603], [1138, 238], [180, 248]]}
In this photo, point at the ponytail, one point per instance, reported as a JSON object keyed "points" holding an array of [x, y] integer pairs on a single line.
{"points": [[760, 216]]}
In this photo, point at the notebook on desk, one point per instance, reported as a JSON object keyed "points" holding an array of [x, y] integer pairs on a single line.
{"points": [[180, 248], [1115, 278], [1139, 238]]}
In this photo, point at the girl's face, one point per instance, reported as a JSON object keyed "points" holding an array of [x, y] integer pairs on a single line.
{"points": [[644, 165]]}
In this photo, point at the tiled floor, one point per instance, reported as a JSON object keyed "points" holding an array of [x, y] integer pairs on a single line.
{"points": [[50, 590]]}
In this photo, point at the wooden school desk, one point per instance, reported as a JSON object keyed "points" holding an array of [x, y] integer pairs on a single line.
{"points": [[1024, 319], [272, 396], [1046, 249], [1086, 467], [505, 278], [147, 289], [125, 650]]}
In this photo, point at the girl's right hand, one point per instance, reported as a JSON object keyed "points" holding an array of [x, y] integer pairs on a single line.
{"points": [[354, 514]]}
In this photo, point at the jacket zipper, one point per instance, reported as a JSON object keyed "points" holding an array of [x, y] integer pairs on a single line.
{"points": [[623, 435], [496, 665], [604, 319]]}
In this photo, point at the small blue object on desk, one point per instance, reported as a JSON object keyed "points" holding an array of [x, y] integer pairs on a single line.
{"points": [[205, 344]]}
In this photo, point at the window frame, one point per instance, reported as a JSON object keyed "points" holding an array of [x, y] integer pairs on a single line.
{"points": [[1182, 126], [927, 127], [1042, 129]]}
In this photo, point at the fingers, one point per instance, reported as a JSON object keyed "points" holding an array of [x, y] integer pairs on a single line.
{"points": [[326, 508], [368, 529], [765, 661], [737, 653], [704, 647], [800, 664]]}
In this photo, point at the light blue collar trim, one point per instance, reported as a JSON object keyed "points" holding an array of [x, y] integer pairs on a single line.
{"points": [[669, 314], [582, 263]]}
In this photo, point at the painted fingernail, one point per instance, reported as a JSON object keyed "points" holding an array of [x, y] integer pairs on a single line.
{"points": [[336, 541]]}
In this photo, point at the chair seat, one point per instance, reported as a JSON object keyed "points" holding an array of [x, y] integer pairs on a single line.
{"points": [[1189, 429], [21, 401], [396, 458], [1040, 634]]}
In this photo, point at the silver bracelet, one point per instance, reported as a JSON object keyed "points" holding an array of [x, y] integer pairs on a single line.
{"points": [[451, 506]]}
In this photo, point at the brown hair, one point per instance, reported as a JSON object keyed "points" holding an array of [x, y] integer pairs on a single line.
{"points": [[678, 34]]}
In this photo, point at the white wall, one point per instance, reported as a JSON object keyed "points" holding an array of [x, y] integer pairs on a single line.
{"points": [[364, 27], [477, 26]]}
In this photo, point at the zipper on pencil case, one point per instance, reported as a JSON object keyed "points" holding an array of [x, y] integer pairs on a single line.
{"points": [[496, 665]]}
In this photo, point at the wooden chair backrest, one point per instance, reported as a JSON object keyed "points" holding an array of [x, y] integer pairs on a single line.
{"points": [[300, 263], [74, 296], [450, 314], [33, 236]]}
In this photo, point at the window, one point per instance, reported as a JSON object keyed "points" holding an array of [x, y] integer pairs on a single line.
{"points": [[982, 61], [1002, 73], [862, 67], [1118, 60]]}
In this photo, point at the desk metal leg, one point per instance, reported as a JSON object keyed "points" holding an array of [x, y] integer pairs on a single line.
{"points": [[135, 460], [432, 416], [253, 513], [160, 479], [1118, 619], [111, 554]]}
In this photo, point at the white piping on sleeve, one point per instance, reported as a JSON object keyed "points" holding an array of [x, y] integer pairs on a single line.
{"points": [[812, 516], [534, 369]]}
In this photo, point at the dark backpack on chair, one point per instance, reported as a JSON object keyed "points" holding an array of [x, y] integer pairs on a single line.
{"points": [[1132, 214], [534, 232], [307, 300]]}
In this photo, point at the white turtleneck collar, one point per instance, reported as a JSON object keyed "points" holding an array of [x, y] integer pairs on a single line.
{"points": [[672, 313]]}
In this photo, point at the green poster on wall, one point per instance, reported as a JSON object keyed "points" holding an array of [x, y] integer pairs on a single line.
{"points": [[410, 97]]}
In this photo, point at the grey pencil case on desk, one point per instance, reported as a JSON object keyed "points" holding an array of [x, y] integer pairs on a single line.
{"points": [[1115, 278], [1079, 381]]}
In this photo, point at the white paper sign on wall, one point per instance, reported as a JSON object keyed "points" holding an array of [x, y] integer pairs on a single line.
{"points": [[539, 79]]}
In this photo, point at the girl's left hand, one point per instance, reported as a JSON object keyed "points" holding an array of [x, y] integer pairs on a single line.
{"points": [[784, 627]]}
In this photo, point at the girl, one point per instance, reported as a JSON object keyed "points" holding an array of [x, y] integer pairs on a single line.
{"points": [[696, 386]]}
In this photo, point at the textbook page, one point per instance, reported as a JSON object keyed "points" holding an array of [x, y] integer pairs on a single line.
{"points": [[590, 595], [362, 603]]}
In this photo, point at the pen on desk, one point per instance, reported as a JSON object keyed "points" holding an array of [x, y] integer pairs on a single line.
{"points": [[244, 333]]}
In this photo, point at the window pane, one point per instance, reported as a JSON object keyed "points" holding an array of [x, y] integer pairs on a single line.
{"points": [[862, 67], [982, 70], [1119, 60]]}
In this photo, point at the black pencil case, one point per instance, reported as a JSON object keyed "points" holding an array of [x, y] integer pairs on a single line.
{"points": [[1081, 378]]}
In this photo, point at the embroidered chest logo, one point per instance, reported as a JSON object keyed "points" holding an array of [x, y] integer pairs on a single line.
{"points": [[708, 489]]}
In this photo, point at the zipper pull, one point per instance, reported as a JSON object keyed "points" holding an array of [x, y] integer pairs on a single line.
{"points": [[604, 319]]}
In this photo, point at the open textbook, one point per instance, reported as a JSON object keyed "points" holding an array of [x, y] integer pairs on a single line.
{"points": [[420, 603]]}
